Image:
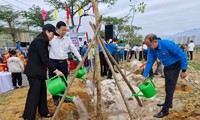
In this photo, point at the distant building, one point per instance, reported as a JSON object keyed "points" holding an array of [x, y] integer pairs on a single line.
{"points": [[7, 41], [185, 39]]}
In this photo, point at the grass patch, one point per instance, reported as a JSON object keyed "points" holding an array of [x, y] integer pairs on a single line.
{"points": [[3, 96], [195, 65]]}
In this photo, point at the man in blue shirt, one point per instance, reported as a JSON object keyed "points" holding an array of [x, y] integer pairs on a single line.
{"points": [[121, 52], [113, 49], [174, 59]]}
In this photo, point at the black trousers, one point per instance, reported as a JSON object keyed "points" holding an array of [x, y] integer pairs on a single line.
{"points": [[132, 53], [63, 67], [140, 56], [171, 76], [36, 97], [103, 64], [80, 50], [17, 77], [109, 71], [191, 55]]}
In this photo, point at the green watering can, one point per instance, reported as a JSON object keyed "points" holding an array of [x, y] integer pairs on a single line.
{"points": [[147, 88], [81, 72], [56, 85]]}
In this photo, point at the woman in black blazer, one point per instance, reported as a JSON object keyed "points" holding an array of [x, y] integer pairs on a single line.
{"points": [[38, 61]]}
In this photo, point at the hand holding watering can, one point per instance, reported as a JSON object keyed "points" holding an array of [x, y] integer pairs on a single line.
{"points": [[58, 73], [140, 81]]}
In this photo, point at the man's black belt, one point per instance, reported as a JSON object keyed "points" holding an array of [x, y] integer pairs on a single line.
{"points": [[59, 61]]}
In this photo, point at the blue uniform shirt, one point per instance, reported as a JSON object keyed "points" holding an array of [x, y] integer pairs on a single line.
{"points": [[168, 53], [122, 50], [99, 47], [112, 48]]}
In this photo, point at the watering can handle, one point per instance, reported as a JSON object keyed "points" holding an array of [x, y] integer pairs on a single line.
{"points": [[151, 82], [53, 77], [57, 76]]}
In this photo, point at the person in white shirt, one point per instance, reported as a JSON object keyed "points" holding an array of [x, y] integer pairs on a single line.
{"points": [[144, 49], [191, 48], [134, 51], [16, 67], [58, 53], [126, 51], [140, 52]]}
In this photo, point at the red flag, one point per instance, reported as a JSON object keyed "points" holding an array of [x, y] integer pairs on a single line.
{"points": [[92, 9], [44, 14], [67, 12], [86, 36]]}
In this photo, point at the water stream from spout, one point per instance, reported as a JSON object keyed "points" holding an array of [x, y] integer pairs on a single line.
{"points": [[82, 111]]}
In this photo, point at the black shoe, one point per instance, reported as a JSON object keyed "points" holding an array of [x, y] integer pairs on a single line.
{"points": [[56, 102], [47, 115], [105, 74], [116, 71], [160, 105], [161, 114], [162, 76], [23, 117], [155, 73], [67, 100], [109, 77]]}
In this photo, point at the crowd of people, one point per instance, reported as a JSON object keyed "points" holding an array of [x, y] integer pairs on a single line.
{"points": [[50, 50], [171, 61]]}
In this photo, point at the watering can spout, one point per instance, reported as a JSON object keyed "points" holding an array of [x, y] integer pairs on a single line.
{"points": [[137, 94], [84, 79], [72, 98]]}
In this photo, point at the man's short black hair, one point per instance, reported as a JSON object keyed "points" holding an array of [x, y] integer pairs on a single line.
{"points": [[60, 24], [115, 39], [12, 52]]}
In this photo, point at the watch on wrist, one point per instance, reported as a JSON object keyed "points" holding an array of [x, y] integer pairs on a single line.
{"points": [[183, 70]]}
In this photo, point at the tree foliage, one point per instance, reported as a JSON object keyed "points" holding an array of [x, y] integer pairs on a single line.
{"points": [[85, 5], [1, 28], [33, 17], [11, 17], [129, 33]]}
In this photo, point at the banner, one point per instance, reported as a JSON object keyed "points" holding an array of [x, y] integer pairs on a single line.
{"points": [[74, 36]]}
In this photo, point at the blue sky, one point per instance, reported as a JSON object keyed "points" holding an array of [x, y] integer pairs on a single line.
{"points": [[161, 17]]}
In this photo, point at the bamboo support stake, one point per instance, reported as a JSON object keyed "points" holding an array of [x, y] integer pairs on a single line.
{"points": [[115, 78], [74, 76], [116, 81], [124, 77]]}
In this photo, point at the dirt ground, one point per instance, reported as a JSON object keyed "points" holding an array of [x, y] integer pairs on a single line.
{"points": [[186, 104]]}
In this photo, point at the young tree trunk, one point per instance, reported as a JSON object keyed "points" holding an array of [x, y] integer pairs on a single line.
{"points": [[97, 76]]}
